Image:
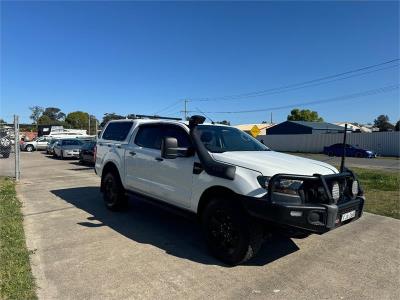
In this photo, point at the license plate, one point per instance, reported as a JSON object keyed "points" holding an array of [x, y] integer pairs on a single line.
{"points": [[349, 215]]}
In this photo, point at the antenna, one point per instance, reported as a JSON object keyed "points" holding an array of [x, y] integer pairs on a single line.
{"points": [[344, 149], [212, 122]]}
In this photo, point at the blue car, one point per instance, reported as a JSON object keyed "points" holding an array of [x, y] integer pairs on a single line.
{"points": [[337, 150]]}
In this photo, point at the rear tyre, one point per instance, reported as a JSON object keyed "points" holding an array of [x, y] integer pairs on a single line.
{"points": [[113, 192], [331, 154], [6, 154], [229, 235]]}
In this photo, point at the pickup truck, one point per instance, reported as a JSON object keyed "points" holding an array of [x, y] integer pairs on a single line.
{"points": [[236, 186]]}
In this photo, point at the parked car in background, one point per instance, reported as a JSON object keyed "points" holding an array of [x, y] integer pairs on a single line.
{"points": [[67, 148], [39, 143], [5, 144], [352, 151], [86, 154], [50, 146]]}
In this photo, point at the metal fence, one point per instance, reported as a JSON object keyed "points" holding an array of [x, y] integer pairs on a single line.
{"points": [[9, 150], [383, 143]]}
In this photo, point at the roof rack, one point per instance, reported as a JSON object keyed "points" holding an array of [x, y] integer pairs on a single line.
{"points": [[155, 117]]}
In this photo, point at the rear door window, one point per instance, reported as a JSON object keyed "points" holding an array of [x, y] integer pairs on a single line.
{"points": [[117, 131], [149, 136]]}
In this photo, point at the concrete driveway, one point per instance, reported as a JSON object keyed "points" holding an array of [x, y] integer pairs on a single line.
{"points": [[83, 251]]}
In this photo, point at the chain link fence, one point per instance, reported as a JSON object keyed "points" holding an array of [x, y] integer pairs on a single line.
{"points": [[9, 149]]}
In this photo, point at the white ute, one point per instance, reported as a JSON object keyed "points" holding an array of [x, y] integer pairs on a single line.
{"points": [[237, 187]]}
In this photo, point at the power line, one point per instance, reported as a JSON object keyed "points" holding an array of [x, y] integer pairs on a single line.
{"points": [[308, 83], [381, 90], [305, 86], [168, 107]]}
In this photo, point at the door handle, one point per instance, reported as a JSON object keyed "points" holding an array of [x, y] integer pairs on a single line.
{"points": [[108, 145], [159, 159], [133, 153]]}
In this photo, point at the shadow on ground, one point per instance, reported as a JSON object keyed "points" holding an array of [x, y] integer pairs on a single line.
{"points": [[148, 224]]}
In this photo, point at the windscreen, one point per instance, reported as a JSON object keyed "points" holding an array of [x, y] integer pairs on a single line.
{"points": [[224, 139]]}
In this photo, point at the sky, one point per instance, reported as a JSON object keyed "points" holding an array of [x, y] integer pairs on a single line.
{"points": [[146, 57]]}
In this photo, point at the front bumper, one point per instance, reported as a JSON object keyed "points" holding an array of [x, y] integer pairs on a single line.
{"points": [[318, 216]]}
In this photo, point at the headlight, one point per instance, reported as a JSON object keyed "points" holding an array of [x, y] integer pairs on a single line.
{"points": [[263, 181], [335, 191], [354, 188], [287, 186], [286, 191]]}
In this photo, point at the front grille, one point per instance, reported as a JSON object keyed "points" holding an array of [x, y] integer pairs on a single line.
{"points": [[315, 192], [317, 189]]}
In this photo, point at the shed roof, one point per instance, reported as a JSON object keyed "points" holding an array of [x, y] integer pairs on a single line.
{"points": [[318, 125]]}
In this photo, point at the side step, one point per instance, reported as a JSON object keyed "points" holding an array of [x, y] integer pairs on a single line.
{"points": [[164, 206]]}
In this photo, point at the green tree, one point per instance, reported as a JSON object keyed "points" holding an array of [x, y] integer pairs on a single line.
{"points": [[224, 122], [110, 116], [80, 120], [55, 115], [37, 111], [382, 122], [304, 115], [397, 126], [45, 120], [77, 120]]}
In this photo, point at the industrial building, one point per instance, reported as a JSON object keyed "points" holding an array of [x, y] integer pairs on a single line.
{"points": [[303, 127]]}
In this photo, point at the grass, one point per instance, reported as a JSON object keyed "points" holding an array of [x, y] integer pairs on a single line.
{"points": [[382, 191], [16, 280]]}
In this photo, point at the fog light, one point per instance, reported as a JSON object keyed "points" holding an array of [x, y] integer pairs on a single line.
{"points": [[295, 213], [316, 218], [354, 188], [313, 217], [335, 191]]}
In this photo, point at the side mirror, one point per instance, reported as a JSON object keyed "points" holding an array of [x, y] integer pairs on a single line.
{"points": [[170, 149]]}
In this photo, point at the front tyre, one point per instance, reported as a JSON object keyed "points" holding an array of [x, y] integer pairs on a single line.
{"points": [[230, 236], [29, 148], [113, 192]]}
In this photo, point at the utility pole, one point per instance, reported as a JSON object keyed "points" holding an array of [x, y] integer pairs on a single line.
{"points": [[185, 108], [89, 124], [271, 117]]}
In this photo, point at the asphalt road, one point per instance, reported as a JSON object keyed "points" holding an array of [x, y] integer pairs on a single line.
{"points": [[380, 163], [83, 251]]}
